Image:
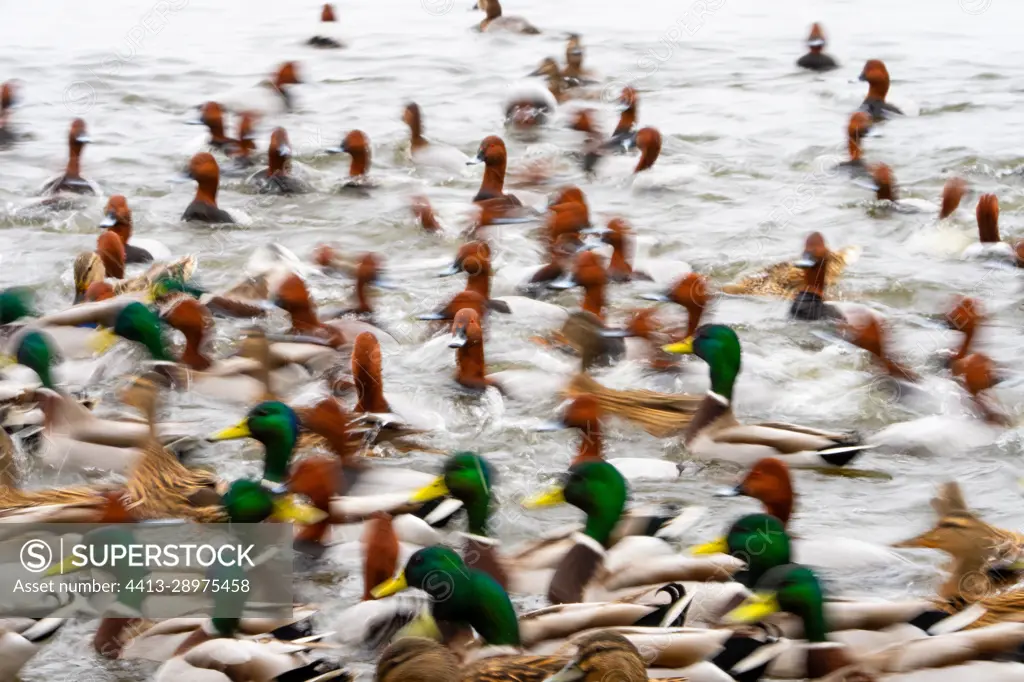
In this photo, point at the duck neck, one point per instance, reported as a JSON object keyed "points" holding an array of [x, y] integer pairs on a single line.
{"points": [[471, 365], [627, 121], [593, 300], [360, 163], [304, 318], [988, 232], [478, 513], [217, 136], [619, 264], [854, 148], [878, 89], [416, 140], [694, 313], [74, 153], [480, 282], [780, 505], [493, 9], [279, 448], [276, 164], [601, 521], [493, 184], [206, 192], [363, 306], [814, 278], [647, 159], [815, 625], [591, 445], [370, 389], [193, 355], [965, 345], [123, 231]]}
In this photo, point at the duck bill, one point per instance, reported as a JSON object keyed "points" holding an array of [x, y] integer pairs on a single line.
{"points": [[684, 347], [109, 221], [616, 333], [660, 298], [336, 150], [479, 158], [437, 489], [458, 339], [194, 122], [239, 430], [382, 283], [287, 508], [65, 567], [572, 672], [390, 587], [101, 341], [817, 42], [284, 150], [549, 498], [730, 492], [431, 317], [551, 425], [452, 269], [567, 282], [756, 608], [596, 231], [806, 262], [716, 546]]}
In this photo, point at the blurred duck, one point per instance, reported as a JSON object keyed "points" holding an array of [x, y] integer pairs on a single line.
{"points": [[816, 59], [211, 115], [357, 146], [809, 302], [495, 21], [989, 245], [715, 434], [424, 214], [858, 128], [491, 198], [877, 78], [117, 218], [325, 39], [625, 129], [71, 179], [619, 235], [271, 96], [277, 177], [560, 87], [574, 73], [242, 156], [108, 261], [369, 272], [203, 169], [427, 154], [293, 297], [8, 100]]}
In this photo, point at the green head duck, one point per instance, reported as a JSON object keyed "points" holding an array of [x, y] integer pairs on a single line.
{"points": [[760, 540], [467, 477], [16, 303], [136, 322], [717, 345], [595, 487], [38, 352], [791, 588], [276, 426]]}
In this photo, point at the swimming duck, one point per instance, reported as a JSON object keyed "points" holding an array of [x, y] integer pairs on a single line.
{"points": [[327, 22], [118, 219], [857, 129], [528, 105], [211, 115], [71, 180], [557, 84], [429, 154], [989, 246], [425, 214], [8, 100], [468, 340], [815, 59], [619, 235], [492, 198], [877, 78], [271, 96], [785, 280], [809, 302], [796, 590], [574, 73], [588, 272], [357, 146], [625, 129], [277, 178], [496, 22], [242, 156], [690, 292], [714, 433], [204, 170], [293, 297], [952, 192], [369, 272], [474, 259], [868, 331]]}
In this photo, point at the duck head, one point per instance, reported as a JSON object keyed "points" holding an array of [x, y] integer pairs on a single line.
{"points": [[648, 141], [474, 259], [769, 482], [816, 39], [582, 413], [357, 146], [469, 478], [117, 217], [574, 54], [988, 218], [597, 489], [425, 214], [719, 347], [759, 540], [276, 426], [204, 170], [494, 157], [790, 588], [287, 74], [327, 13], [37, 351], [588, 272], [412, 118], [279, 153], [293, 297], [691, 292], [16, 303], [869, 332], [246, 136], [885, 183], [466, 329], [877, 78], [248, 501], [136, 322], [369, 272], [8, 98], [78, 137], [86, 271], [211, 115], [603, 656], [329, 419]]}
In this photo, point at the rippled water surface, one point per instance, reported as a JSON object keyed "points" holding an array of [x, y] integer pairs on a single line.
{"points": [[745, 174]]}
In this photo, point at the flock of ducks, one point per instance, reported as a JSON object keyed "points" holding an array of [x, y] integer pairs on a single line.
{"points": [[625, 603]]}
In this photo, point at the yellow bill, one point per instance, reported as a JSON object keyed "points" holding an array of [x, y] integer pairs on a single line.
{"points": [[63, 568], [102, 340], [239, 430], [684, 347], [390, 587], [755, 609], [436, 489], [287, 508], [717, 546], [548, 498]]}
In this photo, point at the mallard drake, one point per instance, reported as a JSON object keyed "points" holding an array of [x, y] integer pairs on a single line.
{"points": [[769, 482], [589, 572], [715, 434], [796, 590]]}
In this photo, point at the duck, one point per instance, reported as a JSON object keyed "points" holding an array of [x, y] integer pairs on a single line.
{"points": [[567, 214], [714, 434], [989, 246], [796, 589], [117, 218], [357, 146], [293, 297], [584, 413], [468, 342], [491, 197], [691, 291], [369, 272], [427, 154], [588, 272], [809, 302], [868, 331], [327, 21], [474, 259], [495, 21], [619, 235], [242, 155], [107, 260], [856, 130], [277, 178], [211, 115], [575, 73], [424, 214], [787, 279], [877, 78], [8, 100], [271, 96], [769, 481], [816, 59], [204, 170], [71, 179], [557, 84], [628, 103]]}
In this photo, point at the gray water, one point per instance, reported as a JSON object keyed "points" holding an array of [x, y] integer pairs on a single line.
{"points": [[748, 147]]}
